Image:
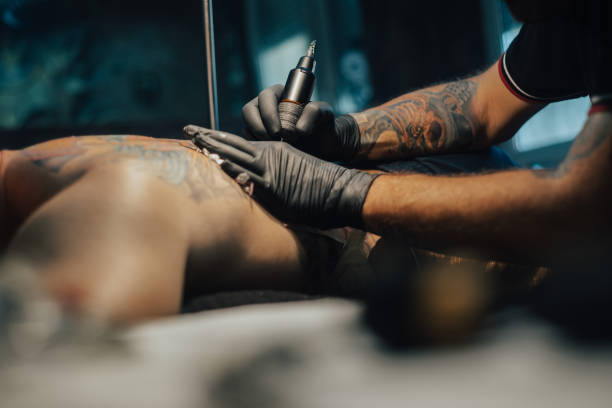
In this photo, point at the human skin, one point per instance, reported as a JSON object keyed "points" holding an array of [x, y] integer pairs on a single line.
{"points": [[522, 216], [536, 216], [115, 226], [459, 116], [120, 227]]}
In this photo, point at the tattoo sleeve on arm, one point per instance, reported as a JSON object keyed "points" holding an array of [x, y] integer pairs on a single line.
{"points": [[432, 121]]}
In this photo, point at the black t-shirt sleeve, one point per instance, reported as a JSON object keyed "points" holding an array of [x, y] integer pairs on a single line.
{"points": [[542, 63], [596, 47], [562, 58]]}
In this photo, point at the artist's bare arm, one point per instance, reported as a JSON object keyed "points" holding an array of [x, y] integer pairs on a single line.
{"points": [[524, 214], [457, 116]]}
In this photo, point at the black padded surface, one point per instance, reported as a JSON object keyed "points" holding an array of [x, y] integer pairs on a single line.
{"points": [[240, 298]]}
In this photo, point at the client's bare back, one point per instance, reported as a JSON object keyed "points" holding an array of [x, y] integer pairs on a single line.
{"points": [[114, 224], [53, 165]]}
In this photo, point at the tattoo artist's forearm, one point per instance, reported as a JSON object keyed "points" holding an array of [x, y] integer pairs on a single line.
{"points": [[436, 120], [533, 215]]}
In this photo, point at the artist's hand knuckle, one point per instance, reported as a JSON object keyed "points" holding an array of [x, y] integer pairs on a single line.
{"points": [[315, 109], [265, 93]]}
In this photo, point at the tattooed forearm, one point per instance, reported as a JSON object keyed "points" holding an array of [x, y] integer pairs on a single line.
{"points": [[437, 120]]}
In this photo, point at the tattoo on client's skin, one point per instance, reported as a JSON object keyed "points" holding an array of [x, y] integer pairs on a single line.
{"points": [[420, 123], [177, 162], [184, 168]]}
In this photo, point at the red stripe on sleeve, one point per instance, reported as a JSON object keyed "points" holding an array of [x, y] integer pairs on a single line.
{"points": [[500, 69], [600, 108]]}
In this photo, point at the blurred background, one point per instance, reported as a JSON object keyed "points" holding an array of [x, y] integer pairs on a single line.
{"points": [[135, 66]]}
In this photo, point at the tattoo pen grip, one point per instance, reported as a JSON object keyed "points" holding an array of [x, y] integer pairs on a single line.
{"points": [[297, 92], [289, 113]]}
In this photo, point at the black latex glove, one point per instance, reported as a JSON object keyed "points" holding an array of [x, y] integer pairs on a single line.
{"points": [[318, 131], [291, 184]]}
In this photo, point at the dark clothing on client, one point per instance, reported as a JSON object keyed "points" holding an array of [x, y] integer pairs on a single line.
{"points": [[461, 163]]}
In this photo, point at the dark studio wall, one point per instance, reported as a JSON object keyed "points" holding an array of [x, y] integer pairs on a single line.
{"points": [[136, 66], [98, 66], [412, 44]]}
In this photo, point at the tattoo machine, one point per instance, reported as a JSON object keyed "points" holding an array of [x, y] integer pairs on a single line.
{"points": [[298, 90]]}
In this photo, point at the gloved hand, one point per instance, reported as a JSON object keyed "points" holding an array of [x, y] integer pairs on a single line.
{"points": [[318, 131], [291, 184]]}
